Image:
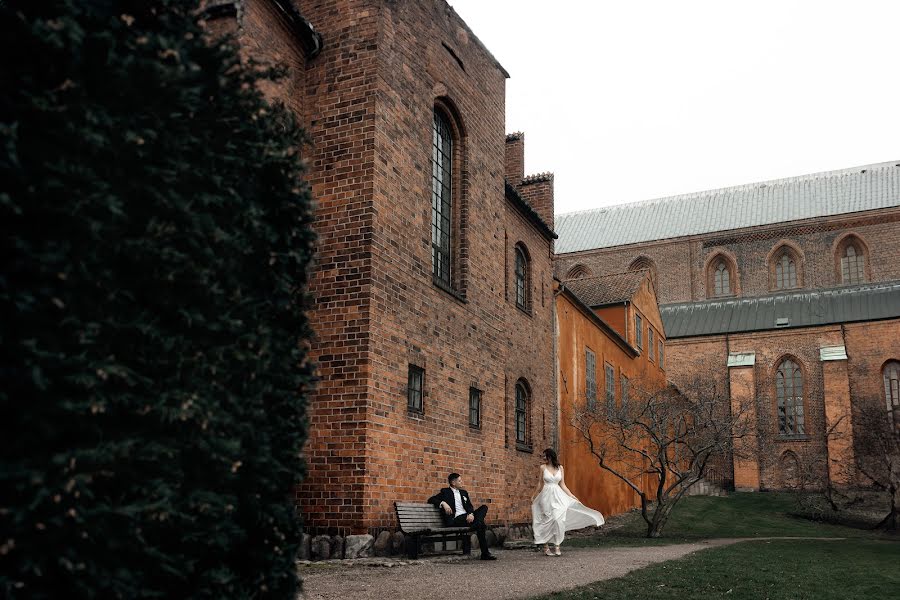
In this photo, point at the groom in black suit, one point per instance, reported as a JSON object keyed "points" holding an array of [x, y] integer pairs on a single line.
{"points": [[457, 511]]}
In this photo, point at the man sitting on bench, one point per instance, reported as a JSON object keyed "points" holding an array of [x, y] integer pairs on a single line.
{"points": [[457, 511]]}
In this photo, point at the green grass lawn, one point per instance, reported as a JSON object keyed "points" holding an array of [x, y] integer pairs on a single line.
{"points": [[777, 570], [865, 565], [737, 515]]}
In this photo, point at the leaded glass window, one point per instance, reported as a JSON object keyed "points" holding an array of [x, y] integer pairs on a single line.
{"points": [[441, 198], [415, 388], [722, 279], [785, 272], [852, 265], [789, 394], [474, 407], [521, 280], [521, 414]]}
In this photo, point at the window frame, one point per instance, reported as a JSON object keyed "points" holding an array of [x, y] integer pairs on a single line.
{"points": [[785, 259], [477, 395], [651, 345], [413, 372], [638, 331], [660, 353], [857, 275], [442, 238], [523, 442], [521, 278], [590, 378], [610, 377], [793, 405], [722, 279]]}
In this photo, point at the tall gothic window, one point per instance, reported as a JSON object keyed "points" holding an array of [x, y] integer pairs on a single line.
{"points": [[891, 374], [785, 272], [521, 279], [721, 279], [441, 199], [521, 413], [789, 395], [852, 265]]}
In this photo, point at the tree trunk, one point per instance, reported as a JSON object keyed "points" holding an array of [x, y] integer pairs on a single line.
{"points": [[660, 517]]}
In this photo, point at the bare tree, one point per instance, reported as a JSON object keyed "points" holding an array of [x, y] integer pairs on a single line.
{"points": [[660, 442], [877, 444]]}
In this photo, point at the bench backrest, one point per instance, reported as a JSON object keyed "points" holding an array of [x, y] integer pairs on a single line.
{"points": [[418, 516]]}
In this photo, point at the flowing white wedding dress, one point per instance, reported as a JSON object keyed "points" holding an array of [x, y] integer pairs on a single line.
{"points": [[554, 512]]}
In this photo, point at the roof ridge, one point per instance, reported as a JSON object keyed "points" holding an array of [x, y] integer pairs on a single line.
{"points": [[740, 187], [537, 178]]}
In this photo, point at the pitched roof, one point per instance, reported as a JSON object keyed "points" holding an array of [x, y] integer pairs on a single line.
{"points": [[603, 290], [858, 189], [788, 310]]}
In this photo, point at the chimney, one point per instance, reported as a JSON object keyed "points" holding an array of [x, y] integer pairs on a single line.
{"points": [[515, 158], [537, 190]]}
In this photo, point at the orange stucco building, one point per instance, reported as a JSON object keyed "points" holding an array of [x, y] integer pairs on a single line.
{"points": [[610, 338]]}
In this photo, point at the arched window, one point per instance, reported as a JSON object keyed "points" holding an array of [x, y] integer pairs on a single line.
{"points": [[721, 279], [522, 403], [891, 376], [521, 278], [441, 199], [852, 265], [578, 272], [789, 395], [785, 271]]}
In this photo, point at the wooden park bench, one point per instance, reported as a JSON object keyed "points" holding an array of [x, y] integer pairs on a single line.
{"points": [[421, 522]]}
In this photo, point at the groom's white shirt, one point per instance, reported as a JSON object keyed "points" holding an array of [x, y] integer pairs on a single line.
{"points": [[458, 500]]}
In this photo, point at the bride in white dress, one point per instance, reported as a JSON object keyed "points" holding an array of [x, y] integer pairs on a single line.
{"points": [[554, 509]]}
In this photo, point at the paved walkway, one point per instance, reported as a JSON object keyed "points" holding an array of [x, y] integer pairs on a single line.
{"points": [[517, 573]]}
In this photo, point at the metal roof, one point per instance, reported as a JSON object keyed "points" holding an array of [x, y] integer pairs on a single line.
{"points": [[606, 289], [863, 188], [868, 302]]}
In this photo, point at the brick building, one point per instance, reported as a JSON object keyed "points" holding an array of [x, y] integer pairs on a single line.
{"points": [[433, 283], [787, 292]]}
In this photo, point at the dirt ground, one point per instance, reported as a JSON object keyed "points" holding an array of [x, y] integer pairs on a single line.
{"points": [[516, 573]]}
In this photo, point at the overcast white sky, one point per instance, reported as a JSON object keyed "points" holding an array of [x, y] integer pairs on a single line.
{"points": [[632, 100]]}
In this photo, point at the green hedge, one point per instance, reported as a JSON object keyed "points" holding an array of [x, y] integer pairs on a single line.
{"points": [[156, 239]]}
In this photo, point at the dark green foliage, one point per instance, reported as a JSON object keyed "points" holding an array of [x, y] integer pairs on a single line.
{"points": [[156, 236]]}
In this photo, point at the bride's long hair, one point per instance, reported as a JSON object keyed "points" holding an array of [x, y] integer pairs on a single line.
{"points": [[551, 457]]}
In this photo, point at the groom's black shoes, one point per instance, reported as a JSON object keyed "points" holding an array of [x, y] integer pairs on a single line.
{"points": [[488, 557]]}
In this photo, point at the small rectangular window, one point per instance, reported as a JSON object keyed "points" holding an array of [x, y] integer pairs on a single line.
{"points": [[475, 408], [590, 373], [661, 351], [415, 389], [610, 390], [639, 332], [650, 344]]}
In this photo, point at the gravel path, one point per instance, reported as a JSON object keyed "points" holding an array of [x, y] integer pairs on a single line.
{"points": [[517, 573]]}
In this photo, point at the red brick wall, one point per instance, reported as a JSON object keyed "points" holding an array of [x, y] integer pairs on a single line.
{"points": [[367, 102], [680, 263], [334, 96]]}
